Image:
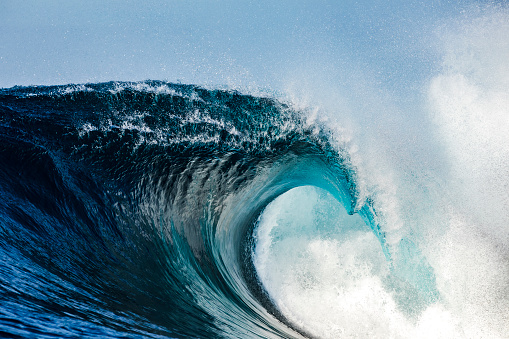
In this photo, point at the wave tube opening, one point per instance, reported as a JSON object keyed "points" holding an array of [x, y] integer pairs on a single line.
{"points": [[326, 272]]}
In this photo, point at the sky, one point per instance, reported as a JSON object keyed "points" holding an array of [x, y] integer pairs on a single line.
{"points": [[240, 44]]}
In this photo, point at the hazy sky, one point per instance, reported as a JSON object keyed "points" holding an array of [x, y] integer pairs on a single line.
{"points": [[236, 43]]}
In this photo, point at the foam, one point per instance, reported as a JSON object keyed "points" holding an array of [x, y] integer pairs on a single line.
{"points": [[328, 275], [469, 103], [439, 177], [325, 272]]}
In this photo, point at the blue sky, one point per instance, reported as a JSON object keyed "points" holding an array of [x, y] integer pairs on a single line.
{"points": [[234, 43]]}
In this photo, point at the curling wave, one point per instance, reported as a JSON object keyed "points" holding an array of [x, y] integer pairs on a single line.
{"points": [[137, 209]]}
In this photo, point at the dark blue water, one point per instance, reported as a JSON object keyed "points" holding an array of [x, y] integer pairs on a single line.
{"points": [[127, 209]]}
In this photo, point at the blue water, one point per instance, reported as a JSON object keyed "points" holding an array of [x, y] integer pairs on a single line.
{"points": [[153, 209], [128, 208]]}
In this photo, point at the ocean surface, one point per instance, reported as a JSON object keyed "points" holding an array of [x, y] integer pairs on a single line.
{"points": [[161, 210]]}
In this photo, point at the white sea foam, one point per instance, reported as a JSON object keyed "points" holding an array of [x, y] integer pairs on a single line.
{"points": [[325, 272], [439, 176], [469, 102]]}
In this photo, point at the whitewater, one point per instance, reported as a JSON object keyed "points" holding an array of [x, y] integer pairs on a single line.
{"points": [[321, 209]]}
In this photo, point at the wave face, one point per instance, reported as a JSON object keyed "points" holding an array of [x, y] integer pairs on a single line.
{"points": [[128, 208]]}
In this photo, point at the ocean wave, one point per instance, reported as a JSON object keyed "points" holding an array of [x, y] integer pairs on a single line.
{"points": [[128, 208]]}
